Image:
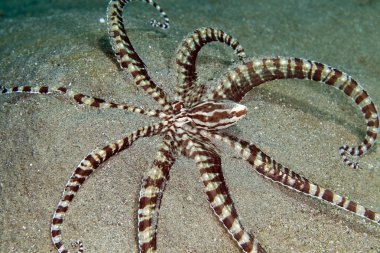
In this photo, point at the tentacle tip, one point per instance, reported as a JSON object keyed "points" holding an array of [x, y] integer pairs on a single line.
{"points": [[345, 152], [78, 244], [354, 165], [155, 23], [241, 53]]}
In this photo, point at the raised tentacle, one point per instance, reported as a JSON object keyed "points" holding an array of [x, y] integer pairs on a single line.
{"points": [[187, 90], [209, 163], [86, 167], [151, 193], [242, 79], [269, 168], [80, 98], [126, 54]]}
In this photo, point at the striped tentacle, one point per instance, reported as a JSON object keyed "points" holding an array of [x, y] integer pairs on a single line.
{"points": [[242, 79], [86, 167], [126, 54], [269, 168], [209, 164], [187, 91], [80, 98], [151, 193]]}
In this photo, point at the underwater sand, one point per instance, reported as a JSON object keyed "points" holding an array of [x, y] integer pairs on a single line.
{"points": [[299, 123]]}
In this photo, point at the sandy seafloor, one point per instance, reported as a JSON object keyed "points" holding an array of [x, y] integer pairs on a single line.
{"points": [[298, 123]]}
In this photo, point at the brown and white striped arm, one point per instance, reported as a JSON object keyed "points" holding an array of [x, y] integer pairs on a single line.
{"points": [[80, 98], [242, 79], [269, 168], [151, 193], [209, 163], [126, 54], [86, 167], [186, 56]]}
